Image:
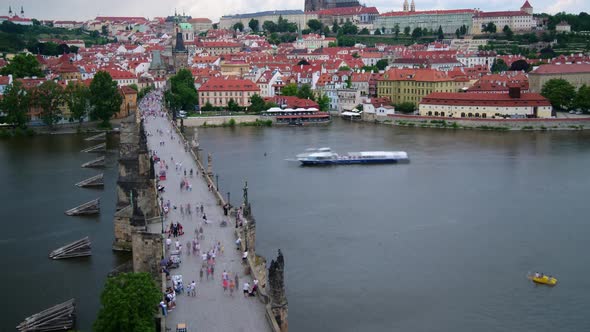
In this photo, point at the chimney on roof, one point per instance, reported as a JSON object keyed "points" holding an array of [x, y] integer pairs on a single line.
{"points": [[514, 92]]}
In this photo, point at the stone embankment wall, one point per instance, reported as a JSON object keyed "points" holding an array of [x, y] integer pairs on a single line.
{"points": [[582, 123], [199, 121], [271, 283]]}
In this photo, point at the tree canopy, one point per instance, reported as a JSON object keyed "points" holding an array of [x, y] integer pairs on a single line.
{"points": [[15, 104], [77, 98], [582, 99], [49, 97], [315, 25], [129, 302], [254, 25], [560, 93], [520, 65], [22, 65], [405, 107], [499, 66], [256, 103], [324, 103], [182, 93], [289, 90], [104, 98], [239, 26]]}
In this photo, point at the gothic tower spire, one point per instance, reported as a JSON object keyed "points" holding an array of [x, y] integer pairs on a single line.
{"points": [[405, 5], [413, 6]]}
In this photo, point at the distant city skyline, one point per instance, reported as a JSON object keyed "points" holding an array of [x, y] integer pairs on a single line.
{"points": [[85, 10]]}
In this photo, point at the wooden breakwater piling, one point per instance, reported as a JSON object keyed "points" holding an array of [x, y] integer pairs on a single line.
{"points": [[98, 162], [57, 318], [95, 181], [88, 208], [99, 137], [79, 248], [97, 148]]}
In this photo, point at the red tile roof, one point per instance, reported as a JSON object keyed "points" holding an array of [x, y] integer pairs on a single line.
{"points": [[348, 11], [431, 12], [220, 84], [199, 20], [563, 69], [526, 5], [484, 99], [502, 13]]}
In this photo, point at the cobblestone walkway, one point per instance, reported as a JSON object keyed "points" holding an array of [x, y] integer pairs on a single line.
{"points": [[212, 309]]}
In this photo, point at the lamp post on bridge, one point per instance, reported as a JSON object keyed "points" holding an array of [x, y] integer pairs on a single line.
{"points": [[228, 201], [217, 182]]}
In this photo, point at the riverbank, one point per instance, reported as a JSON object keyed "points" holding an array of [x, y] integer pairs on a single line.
{"points": [[62, 129], [580, 123]]}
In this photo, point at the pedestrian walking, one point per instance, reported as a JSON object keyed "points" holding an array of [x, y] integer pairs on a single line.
{"points": [[208, 272], [237, 280], [246, 289], [232, 285], [192, 289], [213, 271], [225, 285], [201, 274]]}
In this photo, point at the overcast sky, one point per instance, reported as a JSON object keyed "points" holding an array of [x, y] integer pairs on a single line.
{"points": [[213, 9]]}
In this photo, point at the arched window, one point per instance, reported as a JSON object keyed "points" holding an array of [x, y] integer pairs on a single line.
{"points": [[442, 113], [435, 113], [483, 115], [462, 114], [429, 113], [477, 115], [470, 115]]}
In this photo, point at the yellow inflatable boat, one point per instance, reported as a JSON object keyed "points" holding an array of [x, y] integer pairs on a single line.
{"points": [[543, 279]]}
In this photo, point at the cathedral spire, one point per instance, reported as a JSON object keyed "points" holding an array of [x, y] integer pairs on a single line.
{"points": [[413, 6], [405, 5]]}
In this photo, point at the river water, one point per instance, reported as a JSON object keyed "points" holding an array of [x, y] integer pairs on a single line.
{"points": [[38, 176], [443, 243]]}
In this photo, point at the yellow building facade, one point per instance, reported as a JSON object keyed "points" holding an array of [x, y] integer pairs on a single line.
{"points": [[411, 85]]}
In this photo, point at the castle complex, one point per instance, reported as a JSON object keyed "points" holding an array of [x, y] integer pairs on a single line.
{"points": [[313, 5]]}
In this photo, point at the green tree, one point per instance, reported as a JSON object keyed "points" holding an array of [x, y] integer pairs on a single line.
{"points": [[15, 104], [134, 87], [349, 29], [129, 302], [519, 65], [440, 34], [508, 32], [417, 33], [405, 107], [458, 33], [364, 31], [239, 26], [269, 105], [256, 103], [105, 30], [269, 26], [49, 96], [182, 93], [305, 92], [22, 65], [74, 49], [254, 25], [232, 106], [582, 99], [335, 27], [407, 31], [208, 107], [77, 98], [490, 27], [559, 92], [314, 25], [326, 30], [377, 32], [104, 98], [396, 30], [499, 66], [289, 90], [382, 64], [324, 103]]}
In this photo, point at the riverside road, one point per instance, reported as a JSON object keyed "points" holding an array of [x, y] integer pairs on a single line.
{"points": [[212, 309]]}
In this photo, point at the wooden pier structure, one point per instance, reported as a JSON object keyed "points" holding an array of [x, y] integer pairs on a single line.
{"points": [[97, 148], [88, 208], [99, 137], [79, 248], [98, 162], [60, 317], [95, 181]]}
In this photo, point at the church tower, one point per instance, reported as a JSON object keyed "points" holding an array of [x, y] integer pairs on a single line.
{"points": [[405, 5], [413, 6], [179, 53], [10, 14], [22, 12], [527, 8]]}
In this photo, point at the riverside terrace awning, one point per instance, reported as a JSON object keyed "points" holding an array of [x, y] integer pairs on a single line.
{"points": [[306, 116], [350, 113]]}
